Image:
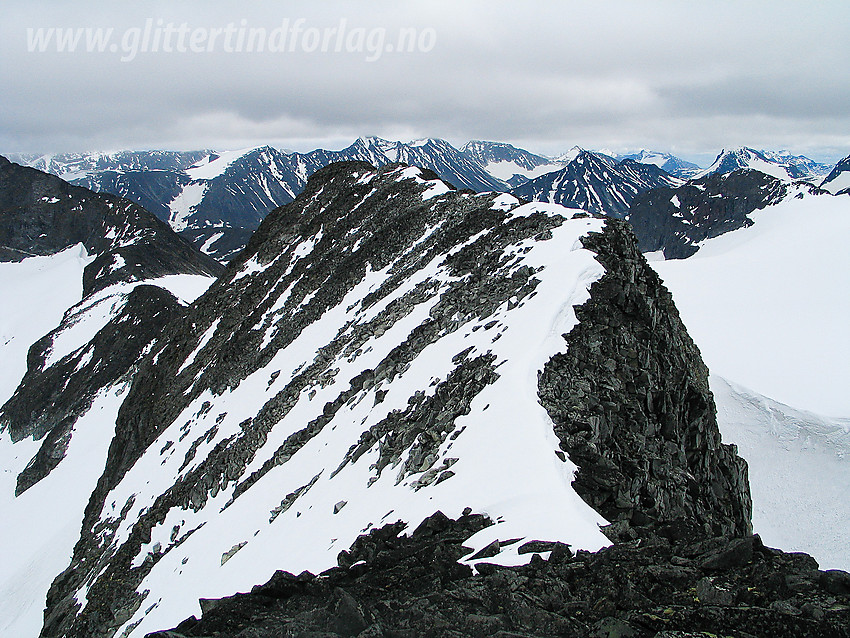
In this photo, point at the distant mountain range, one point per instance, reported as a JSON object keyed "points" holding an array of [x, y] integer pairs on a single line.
{"points": [[665, 161], [782, 164], [217, 199]]}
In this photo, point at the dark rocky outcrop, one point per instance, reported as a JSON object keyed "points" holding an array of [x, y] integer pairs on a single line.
{"points": [[632, 408], [675, 219], [50, 399], [389, 585], [41, 214]]}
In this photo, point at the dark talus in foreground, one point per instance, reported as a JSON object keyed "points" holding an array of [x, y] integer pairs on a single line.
{"points": [[410, 586]]}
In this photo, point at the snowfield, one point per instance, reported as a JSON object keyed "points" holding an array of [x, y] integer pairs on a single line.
{"points": [[768, 307], [41, 526], [36, 292]]}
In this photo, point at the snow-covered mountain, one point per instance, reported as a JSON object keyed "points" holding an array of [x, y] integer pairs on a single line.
{"points": [[665, 161], [88, 282], [71, 166], [215, 202], [450, 164], [595, 182], [781, 164], [217, 199], [385, 347], [838, 180], [508, 163]]}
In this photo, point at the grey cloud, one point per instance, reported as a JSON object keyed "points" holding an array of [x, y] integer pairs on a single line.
{"points": [[618, 74]]}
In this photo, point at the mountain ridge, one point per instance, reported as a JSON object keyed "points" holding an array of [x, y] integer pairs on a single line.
{"points": [[450, 279]]}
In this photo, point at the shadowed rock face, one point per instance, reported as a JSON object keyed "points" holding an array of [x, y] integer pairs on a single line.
{"points": [[410, 586], [50, 399], [632, 407], [675, 219], [41, 214], [629, 399]]}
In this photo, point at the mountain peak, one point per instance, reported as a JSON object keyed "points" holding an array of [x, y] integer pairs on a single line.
{"points": [[782, 165], [386, 347], [570, 155]]}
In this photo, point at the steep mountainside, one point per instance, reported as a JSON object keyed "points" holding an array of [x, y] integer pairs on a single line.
{"points": [[216, 202], [385, 347], [41, 215], [781, 165], [675, 220], [450, 164], [596, 183], [838, 180], [767, 306]]}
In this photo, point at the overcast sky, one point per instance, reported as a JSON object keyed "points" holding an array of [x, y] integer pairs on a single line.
{"points": [[685, 77]]}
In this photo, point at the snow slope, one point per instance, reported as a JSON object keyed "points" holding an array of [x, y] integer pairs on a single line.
{"points": [[42, 524], [35, 293], [768, 305], [799, 472]]}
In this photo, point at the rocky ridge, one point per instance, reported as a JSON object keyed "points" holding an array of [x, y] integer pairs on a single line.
{"points": [[631, 405], [401, 584], [405, 368]]}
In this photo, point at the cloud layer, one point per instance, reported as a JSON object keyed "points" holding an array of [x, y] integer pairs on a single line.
{"points": [[686, 77]]}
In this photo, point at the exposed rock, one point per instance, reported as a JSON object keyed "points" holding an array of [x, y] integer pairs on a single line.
{"points": [[400, 586], [675, 219], [596, 183], [41, 214], [631, 406], [51, 398], [629, 400]]}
